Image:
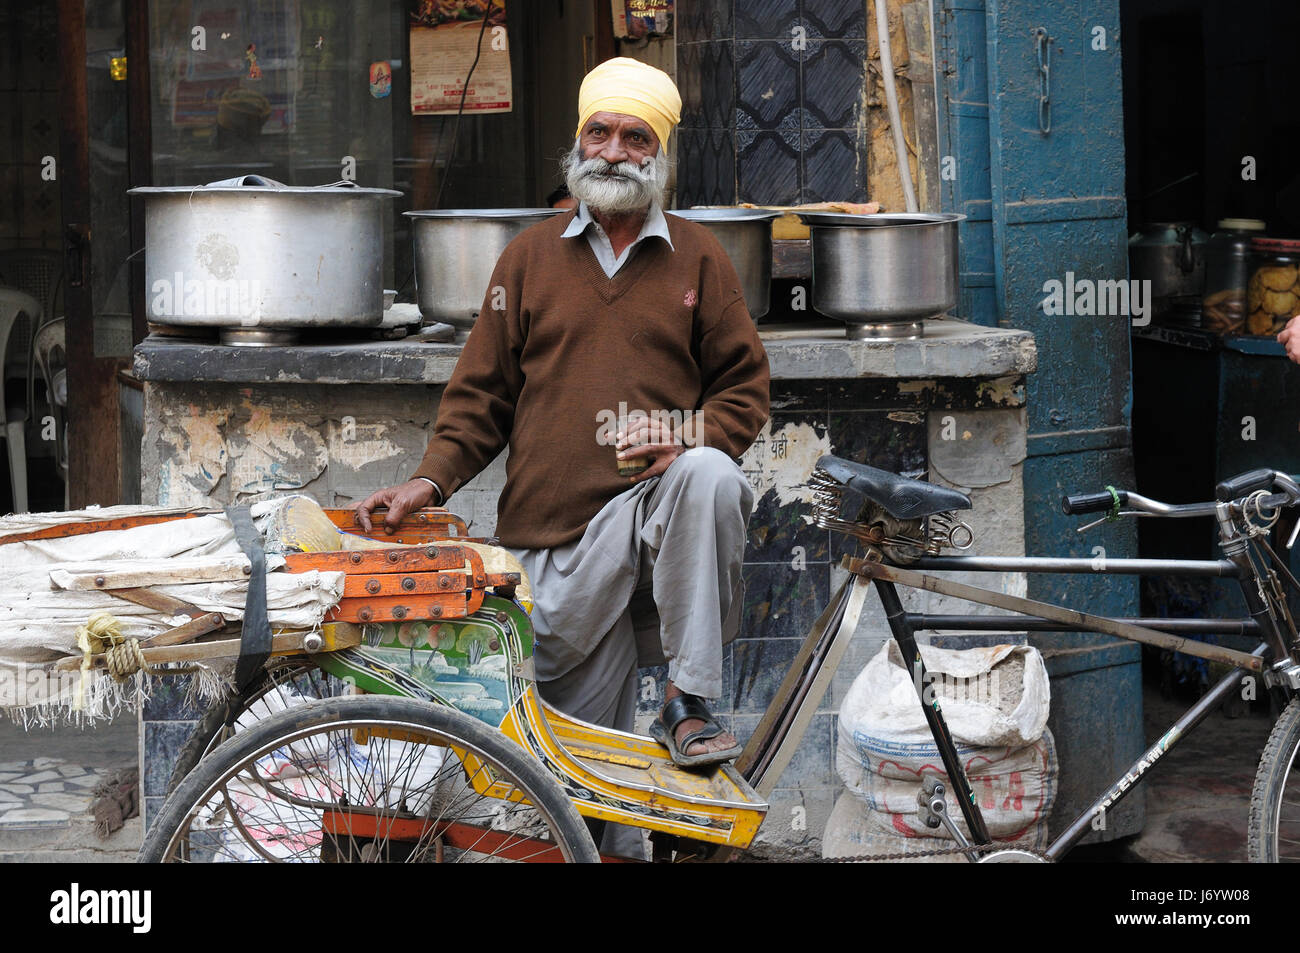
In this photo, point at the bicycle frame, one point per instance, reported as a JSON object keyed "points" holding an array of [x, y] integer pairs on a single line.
{"points": [[771, 747]]}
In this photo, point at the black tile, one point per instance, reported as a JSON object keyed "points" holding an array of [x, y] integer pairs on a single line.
{"points": [[152, 808], [813, 764], [768, 88], [717, 66], [834, 18], [758, 666], [767, 168], [782, 603], [776, 528], [650, 701], [834, 166], [718, 19], [166, 701], [791, 395], [706, 168], [833, 82], [689, 80], [869, 394], [688, 24], [163, 741], [766, 19], [889, 440]]}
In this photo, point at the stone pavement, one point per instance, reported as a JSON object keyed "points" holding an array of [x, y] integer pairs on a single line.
{"points": [[1198, 796], [46, 779]]}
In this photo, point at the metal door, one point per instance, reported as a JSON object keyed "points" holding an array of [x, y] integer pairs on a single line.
{"points": [[1051, 154]]}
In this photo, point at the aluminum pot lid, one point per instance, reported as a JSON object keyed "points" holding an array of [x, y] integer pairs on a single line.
{"points": [[256, 184], [715, 214], [1242, 224], [485, 213], [880, 219]]}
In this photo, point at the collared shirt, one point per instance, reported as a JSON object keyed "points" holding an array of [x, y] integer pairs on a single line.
{"points": [[655, 224]]}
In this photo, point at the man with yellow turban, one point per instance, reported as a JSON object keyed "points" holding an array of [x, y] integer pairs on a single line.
{"points": [[614, 328]]}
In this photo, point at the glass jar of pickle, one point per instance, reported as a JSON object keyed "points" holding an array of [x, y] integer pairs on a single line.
{"points": [[1273, 292], [1227, 271]]}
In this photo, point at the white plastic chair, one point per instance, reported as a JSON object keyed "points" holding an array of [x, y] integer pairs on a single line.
{"points": [[14, 305]]}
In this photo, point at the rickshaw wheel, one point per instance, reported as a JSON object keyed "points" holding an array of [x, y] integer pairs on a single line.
{"points": [[286, 681], [368, 779]]}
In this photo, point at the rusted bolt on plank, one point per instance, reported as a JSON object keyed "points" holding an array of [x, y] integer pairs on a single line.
{"points": [[408, 583], [372, 586]]}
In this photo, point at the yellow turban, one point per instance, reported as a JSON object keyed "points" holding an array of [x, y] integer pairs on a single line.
{"points": [[631, 88]]}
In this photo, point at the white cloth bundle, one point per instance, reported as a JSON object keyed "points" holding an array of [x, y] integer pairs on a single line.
{"points": [[42, 606]]}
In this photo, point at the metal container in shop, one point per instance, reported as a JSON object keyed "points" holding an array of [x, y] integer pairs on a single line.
{"points": [[251, 252], [456, 251], [746, 236], [883, 274]]}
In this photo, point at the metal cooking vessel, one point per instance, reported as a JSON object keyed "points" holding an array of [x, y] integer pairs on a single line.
{"points": [[746, 235], [1171, 255], [251, 252], [882, 274], [455, 253]]}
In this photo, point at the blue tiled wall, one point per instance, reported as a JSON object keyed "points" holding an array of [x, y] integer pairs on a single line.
{"points": [[771, 100]]}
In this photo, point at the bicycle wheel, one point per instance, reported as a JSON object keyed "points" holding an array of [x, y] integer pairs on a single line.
{"points": [[369, 778], [1273, 835], [284, 683]]}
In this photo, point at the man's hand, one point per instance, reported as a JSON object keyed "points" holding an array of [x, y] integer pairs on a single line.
{"points": [[645, 437], [1290, 339], [400, 500]]}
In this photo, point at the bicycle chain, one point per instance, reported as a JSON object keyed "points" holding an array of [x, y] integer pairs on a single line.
{"points": [[937, 852]]}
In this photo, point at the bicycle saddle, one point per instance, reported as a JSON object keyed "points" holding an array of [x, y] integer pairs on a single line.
{"points": [[902, 498]]}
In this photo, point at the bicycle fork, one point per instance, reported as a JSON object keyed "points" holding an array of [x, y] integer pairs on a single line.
{"points": [[903, 635]]}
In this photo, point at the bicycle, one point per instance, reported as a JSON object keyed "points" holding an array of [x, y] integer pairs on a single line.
{"points": [[336, 776]]}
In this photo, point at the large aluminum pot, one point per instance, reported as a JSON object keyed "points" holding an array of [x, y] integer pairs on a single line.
{"points": [[455, 253], [251, 252], [883, 274], [1171, 255], [746, 235]]}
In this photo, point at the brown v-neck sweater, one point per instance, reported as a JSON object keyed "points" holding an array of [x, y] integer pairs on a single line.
{"points": [[558, 346]]}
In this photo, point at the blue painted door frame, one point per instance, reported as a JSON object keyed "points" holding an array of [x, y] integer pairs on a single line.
{"points": [[1041, 206]]}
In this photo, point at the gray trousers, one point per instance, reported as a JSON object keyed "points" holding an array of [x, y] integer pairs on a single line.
{"points": [[655, 577]]}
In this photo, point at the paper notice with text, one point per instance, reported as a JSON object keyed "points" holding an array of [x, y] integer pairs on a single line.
{"points": [[444, 43]]}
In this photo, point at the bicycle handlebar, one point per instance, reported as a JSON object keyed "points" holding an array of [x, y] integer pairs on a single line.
{"points": [[1092, 502], [1229, 491]]}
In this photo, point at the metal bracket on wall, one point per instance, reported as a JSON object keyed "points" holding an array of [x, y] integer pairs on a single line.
{"points": [[1042, 43]]}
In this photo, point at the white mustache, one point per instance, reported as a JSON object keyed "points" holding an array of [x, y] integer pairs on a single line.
{"points": [[616, 186]]}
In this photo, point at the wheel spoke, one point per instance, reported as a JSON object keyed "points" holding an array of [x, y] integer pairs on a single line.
{"points": [[298, 785]]}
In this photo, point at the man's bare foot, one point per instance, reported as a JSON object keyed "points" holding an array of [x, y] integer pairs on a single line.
{"points": [[717, 743]]}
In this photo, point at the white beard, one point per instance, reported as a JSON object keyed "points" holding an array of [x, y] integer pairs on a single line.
{"points": [[616, 188]]}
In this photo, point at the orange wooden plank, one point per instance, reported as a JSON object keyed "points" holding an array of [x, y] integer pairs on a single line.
{"points": [[100, 526], [406, 584], [419, 527], [406, 608], [424, 558]]}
